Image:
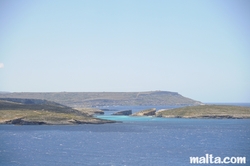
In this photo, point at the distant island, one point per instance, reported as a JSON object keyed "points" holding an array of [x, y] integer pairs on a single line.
{"points": [[95, 99], [207, 111], [38, 112]]}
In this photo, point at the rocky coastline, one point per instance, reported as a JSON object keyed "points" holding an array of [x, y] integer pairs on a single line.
{"points": [[42, 112], [147, 112], [27, 121], [201, 112], [126, 112]]}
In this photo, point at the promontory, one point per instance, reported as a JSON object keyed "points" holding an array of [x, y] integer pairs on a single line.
{"points": [[36, 111], [207, 111]]}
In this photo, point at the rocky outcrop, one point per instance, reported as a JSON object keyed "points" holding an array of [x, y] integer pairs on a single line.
{"points": [[148, 112], [43, 112], [126, 112], [27, 121], [21, 121], [158, 113], [90, 111]]}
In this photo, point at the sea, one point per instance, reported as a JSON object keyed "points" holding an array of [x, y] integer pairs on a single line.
{"points": [[134, 141]]}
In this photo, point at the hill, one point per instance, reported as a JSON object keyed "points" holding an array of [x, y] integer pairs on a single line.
{"points": [[93, 99], [36, 111], [207, 111]]}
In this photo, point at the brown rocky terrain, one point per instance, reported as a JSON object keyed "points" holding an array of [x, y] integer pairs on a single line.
{"points": [[147, 112], [35, 111], [202, 111], [126, 112], [207, 111]]}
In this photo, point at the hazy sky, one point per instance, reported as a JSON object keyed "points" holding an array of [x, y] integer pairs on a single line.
{"points": [[200, 49]]}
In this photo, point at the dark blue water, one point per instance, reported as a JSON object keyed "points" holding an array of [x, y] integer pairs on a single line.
{"points": [[145, 141]]}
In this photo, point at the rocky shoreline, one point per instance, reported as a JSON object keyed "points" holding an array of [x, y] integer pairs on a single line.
{"points": [[43, 112], [26, 121], [126, 112], [147, 112], [202, 112]]}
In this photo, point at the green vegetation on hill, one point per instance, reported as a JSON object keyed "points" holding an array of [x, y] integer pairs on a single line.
{"points": [[207, 111]]}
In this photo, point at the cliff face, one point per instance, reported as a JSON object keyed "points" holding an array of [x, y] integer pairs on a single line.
{"points": [[92, 99], [148, 112], [126, 112]]}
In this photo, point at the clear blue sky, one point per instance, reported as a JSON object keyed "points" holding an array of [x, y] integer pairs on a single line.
{"points": [[200, 49]]}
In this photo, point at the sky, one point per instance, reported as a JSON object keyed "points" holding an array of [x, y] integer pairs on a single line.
{"points": [[200, 49]]}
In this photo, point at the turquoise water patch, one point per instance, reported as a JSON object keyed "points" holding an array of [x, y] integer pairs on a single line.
{"points": [[124, 118]]}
